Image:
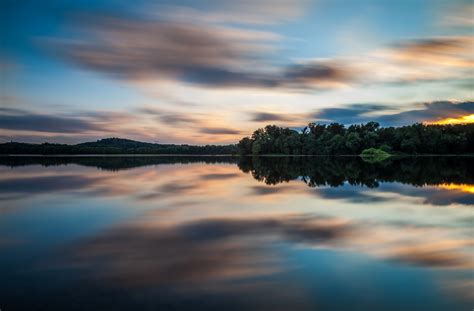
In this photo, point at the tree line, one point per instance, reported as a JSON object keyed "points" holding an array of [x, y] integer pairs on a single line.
{"points": [[314, 139], [336, 139]]}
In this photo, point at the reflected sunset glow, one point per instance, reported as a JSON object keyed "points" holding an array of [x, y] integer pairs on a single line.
{"points": [[458, 187]]}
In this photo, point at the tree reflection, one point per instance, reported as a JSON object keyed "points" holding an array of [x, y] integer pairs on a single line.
{"points": [[113, 163], [335, 171], [315, 171]]}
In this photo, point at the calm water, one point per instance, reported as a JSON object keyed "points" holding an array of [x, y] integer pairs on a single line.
{"points": [[219, 233]]}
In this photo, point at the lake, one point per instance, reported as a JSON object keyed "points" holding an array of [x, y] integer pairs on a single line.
{"points": [[228, 233]]}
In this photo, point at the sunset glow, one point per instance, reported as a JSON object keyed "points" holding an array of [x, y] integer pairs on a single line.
{"points": [[459, 187], [460, 120]]}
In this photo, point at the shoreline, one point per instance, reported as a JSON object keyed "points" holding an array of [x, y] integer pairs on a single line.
{"points": [[226, 155]]}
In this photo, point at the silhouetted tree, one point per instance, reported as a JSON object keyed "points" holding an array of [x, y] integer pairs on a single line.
{"points": [[320, 139]]}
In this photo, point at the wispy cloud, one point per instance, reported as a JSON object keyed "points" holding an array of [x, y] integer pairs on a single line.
{"points": [[219, 131], [439, 51], [206, 54], [269, 117], [459, 16], [240, 12], [135, 48], [169, 117], [47, 123]]}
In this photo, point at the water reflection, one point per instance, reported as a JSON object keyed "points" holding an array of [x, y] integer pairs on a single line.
{"points": [[439, 180], [449, 172], [228, 233], [336, 171]]}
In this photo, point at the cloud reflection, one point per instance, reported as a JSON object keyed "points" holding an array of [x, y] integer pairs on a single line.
{"points": [[202, 252], [221, 254]]}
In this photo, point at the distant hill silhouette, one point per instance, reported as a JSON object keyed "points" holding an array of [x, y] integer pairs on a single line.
{"points": [[113, 146], [118, 143]]}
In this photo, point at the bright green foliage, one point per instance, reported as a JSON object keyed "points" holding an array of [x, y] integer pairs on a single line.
{"points": [[374, 152], [374, 155]]}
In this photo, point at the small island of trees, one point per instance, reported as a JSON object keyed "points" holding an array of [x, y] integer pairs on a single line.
{"points": [[336, 139]]}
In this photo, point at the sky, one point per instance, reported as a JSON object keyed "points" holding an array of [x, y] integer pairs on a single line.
{"points": [[211, 72]]}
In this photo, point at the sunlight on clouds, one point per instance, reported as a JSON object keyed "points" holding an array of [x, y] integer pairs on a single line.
{"points": [[458, 187], [459, 120]]}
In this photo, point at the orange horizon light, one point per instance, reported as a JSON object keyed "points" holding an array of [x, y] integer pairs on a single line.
{"points": [[467, 188], [447, 121]]}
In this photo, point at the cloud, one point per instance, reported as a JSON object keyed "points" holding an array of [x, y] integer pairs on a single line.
{"points": [[135, 48], [429, 112], [318, 74], [459, 16], [268, 116], [439, 195], [440, 51], [45, 184], [265, 190], [361, 113], [7, 110], [442, 254], [169, 117], [174, 188], [24, 121], [225, 176], [169, 47], [350, 194], [25, 126], [353, 113], [198, 252], [241, 12], [199, 53], [219, 131]]}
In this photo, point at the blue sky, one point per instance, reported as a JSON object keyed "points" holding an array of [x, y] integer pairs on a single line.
{"points": [[206, 71]]}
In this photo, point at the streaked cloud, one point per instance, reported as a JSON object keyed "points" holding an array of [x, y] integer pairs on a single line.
{"points": [[222, 56], [439, 51], [219, 131], [135, 48], [186, 253], [25, 121], [240, 12], [270, 117], [459, 16], [319, 74], [205, 54], [169, 117]]}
